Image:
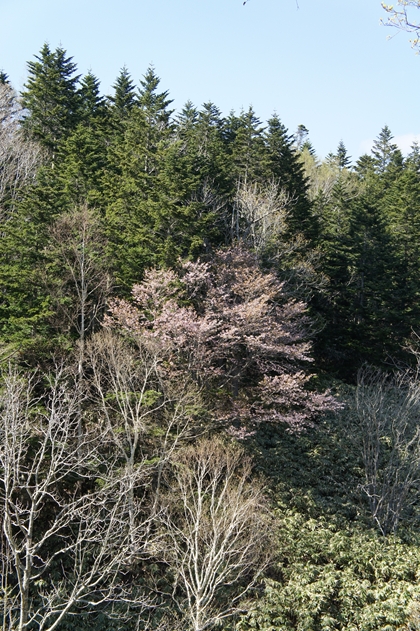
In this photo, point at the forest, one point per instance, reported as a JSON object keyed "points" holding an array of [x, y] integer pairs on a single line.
{"points": [[209, 358]]}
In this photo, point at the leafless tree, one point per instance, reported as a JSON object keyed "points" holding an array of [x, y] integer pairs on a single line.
{"points": [[145, 413], [19, 157], [78, 250], [215, 531], [64, 509], [388, 413], [259, 214]]}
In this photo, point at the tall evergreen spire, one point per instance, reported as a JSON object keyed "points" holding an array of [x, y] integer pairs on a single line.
{"points": [[154, 104], [342, 156], [92, 103], [123, 98], [384, 151], [51, 96]]}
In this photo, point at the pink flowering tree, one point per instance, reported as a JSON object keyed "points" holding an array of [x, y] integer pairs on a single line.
{"points": [[231, 328]]}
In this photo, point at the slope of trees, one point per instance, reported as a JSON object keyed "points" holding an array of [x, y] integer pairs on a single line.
{"points": [[186, 302]]}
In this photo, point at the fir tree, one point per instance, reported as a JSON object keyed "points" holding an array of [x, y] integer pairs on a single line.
{"points": [[123, 98], [284, 166], [92, 103], [413, 159], [385, 153], [154, 106], [246, 145], [343, 159], [51, 97]]}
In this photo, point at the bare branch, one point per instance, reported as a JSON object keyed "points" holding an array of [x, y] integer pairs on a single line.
{"points": [[215, 531], [388, 409], [64, 507], [401, 17]]}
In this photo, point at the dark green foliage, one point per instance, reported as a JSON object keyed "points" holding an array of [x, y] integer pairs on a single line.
{"points": [[123, 98], [246, 146], [385, 153], [284, 167], [51, 97], [343, 159], [92, 104]]}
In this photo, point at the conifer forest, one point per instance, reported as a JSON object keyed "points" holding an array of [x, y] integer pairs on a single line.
{"points": [[209, 367]]}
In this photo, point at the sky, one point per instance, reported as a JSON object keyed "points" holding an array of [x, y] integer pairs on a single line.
{"points": [[326, 64]]}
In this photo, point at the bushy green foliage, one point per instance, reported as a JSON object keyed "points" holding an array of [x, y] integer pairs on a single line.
{"points": [[327, 577]]}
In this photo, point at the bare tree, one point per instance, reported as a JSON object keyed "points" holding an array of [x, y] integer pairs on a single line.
{"points": [[78, 251], [259, 214], [215, 531], [388, 412], [66, 536], [145, 412], [19, 157]]}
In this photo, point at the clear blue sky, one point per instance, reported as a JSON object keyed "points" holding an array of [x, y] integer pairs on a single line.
{"points": [[327, 64]]}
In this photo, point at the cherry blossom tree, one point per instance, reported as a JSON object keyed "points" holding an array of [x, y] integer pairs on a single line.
{"points": [[230, 327]]}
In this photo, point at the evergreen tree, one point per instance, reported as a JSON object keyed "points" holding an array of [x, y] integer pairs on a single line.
{"points": [[123, 98], [365, 167], [154, 106], [401, 207], [51, 97], [385, 153], [283, 165], [186, 120], [246, 145], [413, 159], [4, 78], [343, 159], [92, 103]]}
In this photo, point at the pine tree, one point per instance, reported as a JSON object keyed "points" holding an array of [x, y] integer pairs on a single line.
{"points": [[4, 78], [51, 97]]}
